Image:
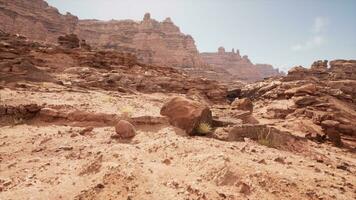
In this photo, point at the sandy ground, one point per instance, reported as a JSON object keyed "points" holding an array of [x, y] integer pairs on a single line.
{"points": [[54, 161]]}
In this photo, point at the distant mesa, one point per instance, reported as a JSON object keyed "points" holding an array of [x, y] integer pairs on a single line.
{"points": [[239, 67]]}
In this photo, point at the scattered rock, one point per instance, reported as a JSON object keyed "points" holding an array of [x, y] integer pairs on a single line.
{"points": [[86, 130], [125, 130], [242, 104], [280, 160], [245, 189]]}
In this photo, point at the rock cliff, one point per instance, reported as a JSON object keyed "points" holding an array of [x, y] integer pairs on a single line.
{"points": [[35, 19], [153, 42], [239, 66]]}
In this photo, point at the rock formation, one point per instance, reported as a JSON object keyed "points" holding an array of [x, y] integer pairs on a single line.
{"points": [[35, 19], [239, 66], [22, 59], [320, 99], [151, 41]]}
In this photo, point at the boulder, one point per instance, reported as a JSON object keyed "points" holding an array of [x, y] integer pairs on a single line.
{"points": [[186, 114], [242, 104], [125, 130]]}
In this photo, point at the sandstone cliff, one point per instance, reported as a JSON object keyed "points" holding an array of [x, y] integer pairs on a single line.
{"points": [[35, 19], [153, 42], [238, 66]]}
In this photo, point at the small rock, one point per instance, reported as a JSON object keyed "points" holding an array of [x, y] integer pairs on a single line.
{"points": [[242, 104], [262, 161], [245, 189], [66, 148], [86, 130], [166, 161], [125, 129], [280, 160]]}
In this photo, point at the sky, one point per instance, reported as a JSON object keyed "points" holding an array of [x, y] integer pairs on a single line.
{"points": [[284, 33]]}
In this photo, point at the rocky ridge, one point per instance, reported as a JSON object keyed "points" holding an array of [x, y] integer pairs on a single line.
{"points": [[240, 67]]}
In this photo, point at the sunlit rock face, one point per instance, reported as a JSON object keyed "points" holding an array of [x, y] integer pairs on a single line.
{"points": [[152, 41], [239, 66]]}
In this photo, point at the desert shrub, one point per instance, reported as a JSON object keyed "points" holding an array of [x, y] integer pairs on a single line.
{"points": [[203, 128], [266, 139], [126, 111]]}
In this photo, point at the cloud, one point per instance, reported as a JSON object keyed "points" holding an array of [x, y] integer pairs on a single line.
{"points": [[317, 39], [320, 24]]}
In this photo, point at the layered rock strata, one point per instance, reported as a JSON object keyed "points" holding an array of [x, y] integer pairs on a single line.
{"points": [[239, 66]]}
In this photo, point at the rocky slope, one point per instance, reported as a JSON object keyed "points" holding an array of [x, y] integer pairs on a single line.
{"points": [[240, 67]]}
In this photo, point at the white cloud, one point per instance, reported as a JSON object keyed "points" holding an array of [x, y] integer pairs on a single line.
{"points": [[317, 39], [320, 24]]}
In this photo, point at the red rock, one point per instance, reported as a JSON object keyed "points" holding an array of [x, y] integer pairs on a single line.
{"points": [[125, 130], [186, 114], [242, 104], [237, 66]]}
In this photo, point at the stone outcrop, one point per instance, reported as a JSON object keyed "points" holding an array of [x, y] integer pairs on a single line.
{"points": [[151, 41], [24, 60], [239, 66], [338, 70], [323, 97], [35, 19]]}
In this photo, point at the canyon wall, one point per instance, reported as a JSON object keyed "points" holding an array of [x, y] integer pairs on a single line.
{"points": [[35, 19], [238, 66], [153, 42]]}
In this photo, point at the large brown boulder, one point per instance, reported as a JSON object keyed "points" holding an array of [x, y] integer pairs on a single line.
{"points": [[186, 114]]}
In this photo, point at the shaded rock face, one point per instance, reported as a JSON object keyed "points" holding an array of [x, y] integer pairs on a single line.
{"points": [[153, 42], [238, 66]]}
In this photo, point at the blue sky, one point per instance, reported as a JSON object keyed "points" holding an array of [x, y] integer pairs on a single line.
{"points": [[284, 33]]}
